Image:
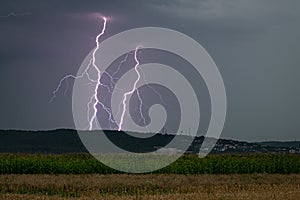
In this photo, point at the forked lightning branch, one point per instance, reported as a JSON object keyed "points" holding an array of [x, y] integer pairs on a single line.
{"points": [[94, 100]]}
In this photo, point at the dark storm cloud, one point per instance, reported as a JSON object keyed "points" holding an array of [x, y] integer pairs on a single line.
{"points": [[254, 43]]}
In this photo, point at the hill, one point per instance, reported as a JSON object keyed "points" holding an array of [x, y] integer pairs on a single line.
{"points": [[62, 141]]}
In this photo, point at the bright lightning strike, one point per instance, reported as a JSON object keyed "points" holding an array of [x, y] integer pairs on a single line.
{"points": [[133, 89], [95, 96], [94, 99]]}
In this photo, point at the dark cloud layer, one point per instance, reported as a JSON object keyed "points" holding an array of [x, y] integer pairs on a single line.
{"points": [[254, 43]]}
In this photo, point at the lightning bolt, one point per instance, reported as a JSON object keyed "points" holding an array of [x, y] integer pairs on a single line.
{"points": [[94, 100], [132, 90], [95, 96]]}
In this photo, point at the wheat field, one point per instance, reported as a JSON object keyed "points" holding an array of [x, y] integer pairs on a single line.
{"points": [[94, 186]]}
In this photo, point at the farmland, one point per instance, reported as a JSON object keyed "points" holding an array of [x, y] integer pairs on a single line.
{"points": [[214, 164], [80, 176], [151, 186]]}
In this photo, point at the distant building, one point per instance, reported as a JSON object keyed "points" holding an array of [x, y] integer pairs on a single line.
{"points": [[292, 151]]}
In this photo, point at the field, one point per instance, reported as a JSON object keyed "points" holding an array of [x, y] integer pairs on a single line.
{"points": [[154, 186], [80, 176], [214, 164]]}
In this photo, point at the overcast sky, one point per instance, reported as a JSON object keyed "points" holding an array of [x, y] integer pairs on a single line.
{"points": [[255, 44]]}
